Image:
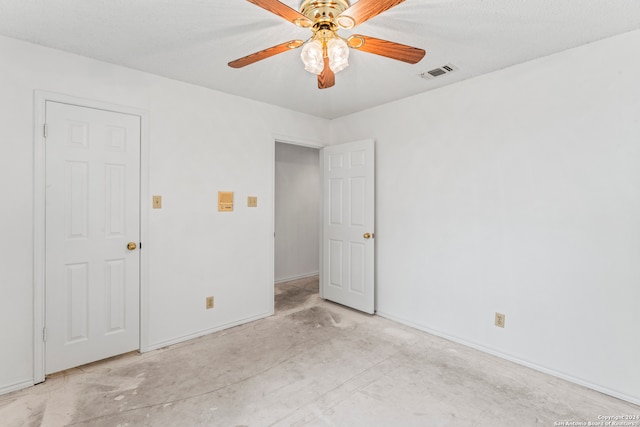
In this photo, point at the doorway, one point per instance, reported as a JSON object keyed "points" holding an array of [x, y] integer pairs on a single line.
{"points": [[339, 197], [297, 212]]}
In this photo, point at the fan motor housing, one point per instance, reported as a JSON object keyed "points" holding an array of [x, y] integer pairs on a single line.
{"points": [[323, 10]]}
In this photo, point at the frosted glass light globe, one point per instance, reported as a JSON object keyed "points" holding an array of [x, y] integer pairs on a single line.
{"points": [[312, 57], [338, 53]]}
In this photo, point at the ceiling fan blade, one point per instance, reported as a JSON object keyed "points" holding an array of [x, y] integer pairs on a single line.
{"points": [[392, 50], [284, 11], [266, 53], [327, 78], [364, 10]]}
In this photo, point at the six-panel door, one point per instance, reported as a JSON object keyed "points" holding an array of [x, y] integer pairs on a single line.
{"points": [[92, 212], [348, 221]]}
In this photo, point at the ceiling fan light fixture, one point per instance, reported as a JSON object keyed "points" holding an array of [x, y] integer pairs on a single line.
{"points": [[326, 53], [312, 57], [338, 53]]}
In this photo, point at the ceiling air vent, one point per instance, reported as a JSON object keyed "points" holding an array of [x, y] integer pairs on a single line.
{"points": [[445, 69]]}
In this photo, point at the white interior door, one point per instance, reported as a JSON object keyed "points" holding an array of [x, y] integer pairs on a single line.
{"points": [[347, 225], [92, 278]]}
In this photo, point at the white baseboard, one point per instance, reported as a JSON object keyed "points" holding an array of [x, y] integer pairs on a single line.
{"points": [[204, 332], [604, 390], [15, 387], [298, 277]]}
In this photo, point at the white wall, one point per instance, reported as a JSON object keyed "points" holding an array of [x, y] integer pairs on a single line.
{"points": [[297, 196], [518, 192], [201, 141]]}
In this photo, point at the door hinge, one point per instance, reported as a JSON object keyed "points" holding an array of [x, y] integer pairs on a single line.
{"points": [[45, 130], [44, 334]]}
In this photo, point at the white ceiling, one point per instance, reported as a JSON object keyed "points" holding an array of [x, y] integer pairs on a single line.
{"points": [[193, 40]]}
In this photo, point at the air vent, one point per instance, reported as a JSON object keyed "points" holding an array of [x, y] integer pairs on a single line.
{"points": [[436, 72]]}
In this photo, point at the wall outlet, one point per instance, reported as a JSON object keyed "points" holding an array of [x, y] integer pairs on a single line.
{"points": [[209, 303], [252, 201], [500, 320]]}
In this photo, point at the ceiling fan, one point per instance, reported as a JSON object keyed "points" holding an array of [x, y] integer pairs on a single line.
{"points": [[326, 53]]}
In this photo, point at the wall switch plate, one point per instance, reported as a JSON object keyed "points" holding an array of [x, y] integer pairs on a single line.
{"points": [[500, 320], [252, 202], [157, 202], [209, 303]]}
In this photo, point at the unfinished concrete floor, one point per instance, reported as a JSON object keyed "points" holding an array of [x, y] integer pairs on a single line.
{"points": [[313, 364]]}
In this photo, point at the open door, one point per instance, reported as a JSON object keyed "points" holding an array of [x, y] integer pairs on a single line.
{"points": [[348, 244]]}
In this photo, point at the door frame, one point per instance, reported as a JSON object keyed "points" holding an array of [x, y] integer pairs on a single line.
{"points": [[291, 140], [39, 216]]}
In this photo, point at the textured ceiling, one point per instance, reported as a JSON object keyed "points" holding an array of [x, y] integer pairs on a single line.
{"points": [[193, 40]]}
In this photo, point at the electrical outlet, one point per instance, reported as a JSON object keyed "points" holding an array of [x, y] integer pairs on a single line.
{"points": [[157, 202], [209, 302], [500, 320], [252, 201]]}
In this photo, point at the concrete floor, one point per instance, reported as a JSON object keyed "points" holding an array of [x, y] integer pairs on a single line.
{"points": [[313, 364]]}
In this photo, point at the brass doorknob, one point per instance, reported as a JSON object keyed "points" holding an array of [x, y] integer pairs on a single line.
{"points": [[366, 235], [131, 246]]}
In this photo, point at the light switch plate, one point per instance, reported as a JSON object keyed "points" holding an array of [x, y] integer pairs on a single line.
{"points": [[157, 202], [252, 201]]}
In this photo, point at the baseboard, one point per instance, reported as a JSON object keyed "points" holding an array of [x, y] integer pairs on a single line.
{"points": [[204, 332], [598, 388], [298, 277], [16, 387]]}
